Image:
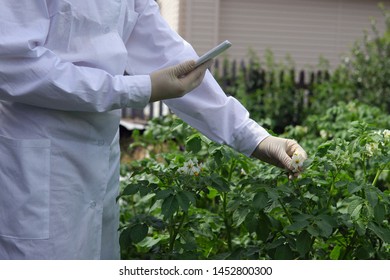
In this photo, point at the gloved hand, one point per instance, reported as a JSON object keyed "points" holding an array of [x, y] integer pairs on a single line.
{"points": [[176, 81], [281, 152]]}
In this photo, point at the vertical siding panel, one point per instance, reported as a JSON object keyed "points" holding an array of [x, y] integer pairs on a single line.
{"points": [[204, 26], [170, 11], [305, 29]]}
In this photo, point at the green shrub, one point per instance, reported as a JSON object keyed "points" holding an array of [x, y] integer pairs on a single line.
{"points": [[363, 75], [271, 92], [209, 202]]}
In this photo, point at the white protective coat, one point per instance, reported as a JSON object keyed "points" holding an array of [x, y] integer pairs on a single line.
{"points": [[61, 88]]}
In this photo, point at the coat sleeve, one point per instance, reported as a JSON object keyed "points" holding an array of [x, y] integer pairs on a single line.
{"points": [[32, 74], [153, 45]]}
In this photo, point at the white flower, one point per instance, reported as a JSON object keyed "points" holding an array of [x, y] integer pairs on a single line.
{"points": [[323, 134], [181, 170], [191, 167], [201, 167], [386, 134], [371, 148], [297, 162]]}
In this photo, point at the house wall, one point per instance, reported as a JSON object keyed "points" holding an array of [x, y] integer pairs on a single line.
{"points": [[202, 23], [171, 11], [303, 29]]}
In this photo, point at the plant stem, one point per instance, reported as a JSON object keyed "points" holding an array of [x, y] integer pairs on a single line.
{"points": [[350, 245], [286, 212], [378, 173], [225, 213], [364, 169], [175, 232], [226, 221], [297, 187], [331, 190]]}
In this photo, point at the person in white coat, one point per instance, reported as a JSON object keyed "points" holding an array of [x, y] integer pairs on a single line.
{"points": [[61, 91]]}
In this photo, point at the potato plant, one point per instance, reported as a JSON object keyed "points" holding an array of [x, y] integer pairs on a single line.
{"points": [[194, 199]]}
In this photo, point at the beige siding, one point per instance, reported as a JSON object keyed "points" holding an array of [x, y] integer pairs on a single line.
{"points": [[202, 23], [170, 10], [305, 29]]}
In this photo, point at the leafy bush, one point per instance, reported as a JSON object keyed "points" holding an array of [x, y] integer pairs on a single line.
{"points": [[273, 95], [363, 75], [267, 89], [192, 199], [209, 202]]}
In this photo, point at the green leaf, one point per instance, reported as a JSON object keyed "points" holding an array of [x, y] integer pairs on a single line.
{"points": [[251, 222], [220, 184], [149, 242], [313, 231], [169, 206], [332, 221], [260, 200], [264, 227], [163, 194], [239, 216], [325, 228], [217, 155], [194, 143], [131, 189], [304, 243], [322, 149], [336, 252], [275, 243], [354, 208], [212, 193], [184, 198], [298, 225], [258, 224], [379, 212], [354, 187], [155, 222], [382, 232], [341, 184], [138, 232], [361, 227], [302, 217], [305, 181], [371, 196], [283, 253], [125, 238]]}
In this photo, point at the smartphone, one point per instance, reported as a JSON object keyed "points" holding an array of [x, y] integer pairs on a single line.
{"points": [[213, 52]]}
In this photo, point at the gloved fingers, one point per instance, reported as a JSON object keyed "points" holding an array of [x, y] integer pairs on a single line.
{"points": [[294, 148], [194, 78], [274, 161], [285, 160], [184, 68], [281, 152], [176, 81], [272, 151], [298, 156]]}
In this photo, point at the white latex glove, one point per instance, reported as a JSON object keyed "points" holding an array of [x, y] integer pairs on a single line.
{"points": [[281, 152], [176, 81]]}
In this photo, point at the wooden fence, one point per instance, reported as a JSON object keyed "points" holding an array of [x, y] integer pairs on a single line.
{"points": [[230, 74]]}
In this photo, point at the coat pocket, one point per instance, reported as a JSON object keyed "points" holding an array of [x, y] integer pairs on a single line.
{"points": [[24, 188]]}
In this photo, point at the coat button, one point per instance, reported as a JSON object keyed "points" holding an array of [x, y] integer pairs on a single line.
{"points": [[106, 29], [100, 142], [92, 204]]}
